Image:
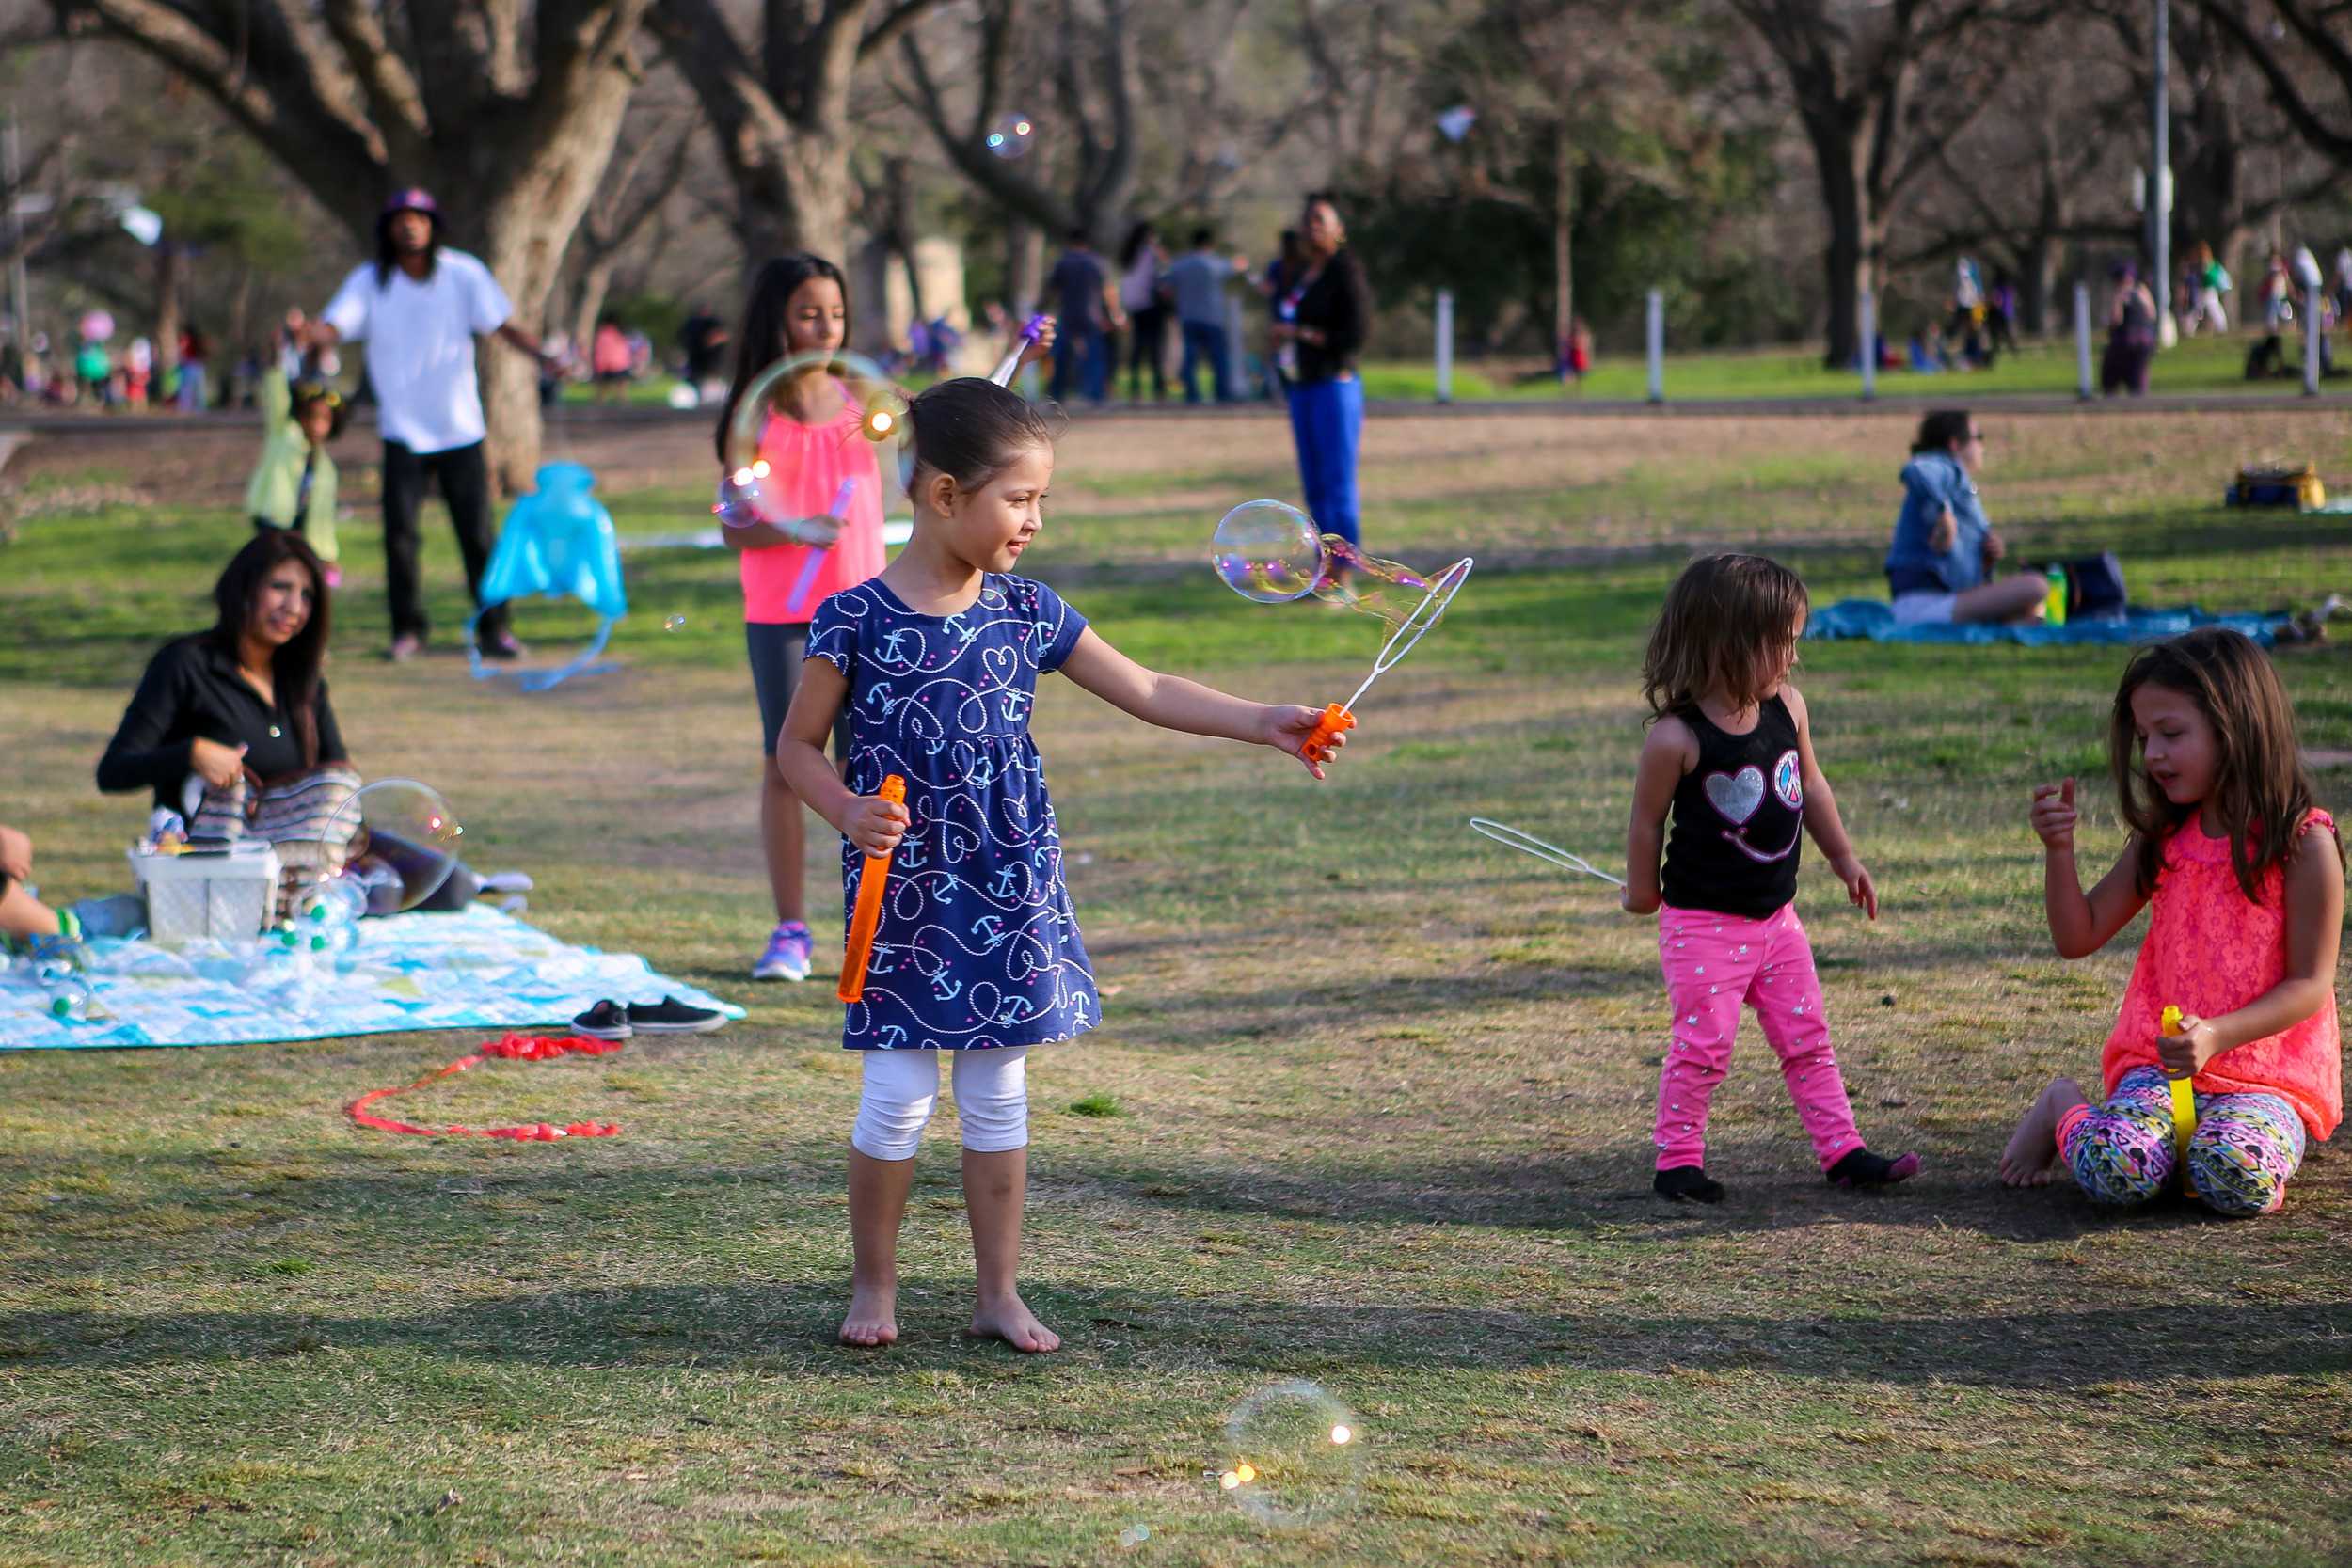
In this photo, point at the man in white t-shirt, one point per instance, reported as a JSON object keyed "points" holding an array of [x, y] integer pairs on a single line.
{"points": [[418, 307]]}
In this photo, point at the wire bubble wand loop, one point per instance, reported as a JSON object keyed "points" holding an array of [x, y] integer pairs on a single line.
{"points": [[1528, 844], [1010, 365], [1340, 717]]}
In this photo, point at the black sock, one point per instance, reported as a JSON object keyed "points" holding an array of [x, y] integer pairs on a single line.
{"points": [[1863, 1168], [1687, 1184]]}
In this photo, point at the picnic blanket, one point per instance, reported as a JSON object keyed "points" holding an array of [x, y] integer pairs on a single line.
{"points": [[478, 970], [1875, 620]]}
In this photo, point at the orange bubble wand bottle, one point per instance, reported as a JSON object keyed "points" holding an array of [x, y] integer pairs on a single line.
{"points": [[2183, 1093], [872, 880]]}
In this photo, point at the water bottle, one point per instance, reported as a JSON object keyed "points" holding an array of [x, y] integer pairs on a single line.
{"points": [[2056, 615], [333, 917]]}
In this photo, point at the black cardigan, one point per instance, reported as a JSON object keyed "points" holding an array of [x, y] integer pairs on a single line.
{"points": [[192, 690], [1337, 303]]}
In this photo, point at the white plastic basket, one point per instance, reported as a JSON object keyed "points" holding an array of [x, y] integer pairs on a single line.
{"points": [[224, 897]]}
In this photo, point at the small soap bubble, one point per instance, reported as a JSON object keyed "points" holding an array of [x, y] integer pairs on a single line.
{"points": [[1135, 1535], [674, 623], [1294, 1455], [1010, 136]]}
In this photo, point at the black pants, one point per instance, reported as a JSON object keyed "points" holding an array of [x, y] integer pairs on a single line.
{"points": [[1148, 338], [465, 480]]}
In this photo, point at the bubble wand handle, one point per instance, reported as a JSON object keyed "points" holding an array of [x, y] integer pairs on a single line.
{"points": [[1335, 722], [2183, 1093], [873, 879], [1009, 366], [839, 513]]}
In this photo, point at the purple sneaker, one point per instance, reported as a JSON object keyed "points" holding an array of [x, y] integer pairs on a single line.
{"points": [[786, 957]]}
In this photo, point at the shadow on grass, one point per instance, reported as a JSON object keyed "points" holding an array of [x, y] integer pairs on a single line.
{"points": [[787, 1327]]}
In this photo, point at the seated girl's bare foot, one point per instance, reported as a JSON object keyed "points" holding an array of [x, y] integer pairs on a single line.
{"points": [[1008, 1317], [2032, 1152], [873, 1319]]}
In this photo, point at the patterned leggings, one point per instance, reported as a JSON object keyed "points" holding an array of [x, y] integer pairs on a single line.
{"points": [[2244, 1147]]}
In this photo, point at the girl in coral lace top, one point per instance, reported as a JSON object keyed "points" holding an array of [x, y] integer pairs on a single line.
{"points": [[2244, 878]]}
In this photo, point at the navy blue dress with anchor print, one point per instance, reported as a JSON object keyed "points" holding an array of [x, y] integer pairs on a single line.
{"points": [[978, 948], [1739, 818]]}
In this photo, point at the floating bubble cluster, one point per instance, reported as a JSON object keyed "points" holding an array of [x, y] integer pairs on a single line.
{"points": [[1294, 1455]]}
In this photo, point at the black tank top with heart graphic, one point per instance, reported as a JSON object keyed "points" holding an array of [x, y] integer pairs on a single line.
{"points": [[1739, 818]]}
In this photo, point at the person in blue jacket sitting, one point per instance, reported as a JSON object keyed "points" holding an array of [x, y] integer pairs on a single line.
{"points": [[1941, 565]]}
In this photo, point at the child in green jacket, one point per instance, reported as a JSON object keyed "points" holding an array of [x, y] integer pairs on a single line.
{"points": [[294, 485]]}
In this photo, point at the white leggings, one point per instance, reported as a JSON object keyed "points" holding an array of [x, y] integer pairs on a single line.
{"points": [[902, 1086]]}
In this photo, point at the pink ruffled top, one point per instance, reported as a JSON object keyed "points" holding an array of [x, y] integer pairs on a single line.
{"points": [[806, 465], [2210, 952]]}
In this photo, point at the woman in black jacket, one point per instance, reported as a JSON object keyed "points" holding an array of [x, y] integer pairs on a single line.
{"points": [[231, 728], [1324, 315]]}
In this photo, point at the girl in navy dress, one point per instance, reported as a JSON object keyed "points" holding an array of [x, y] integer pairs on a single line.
{"points": [[977, 953]]}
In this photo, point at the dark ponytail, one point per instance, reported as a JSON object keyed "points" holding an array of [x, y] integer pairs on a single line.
{"points": [[970, 429], [1941, 431]]}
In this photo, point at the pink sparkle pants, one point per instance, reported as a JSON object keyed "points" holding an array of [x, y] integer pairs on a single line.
{"points": [[1714, 964]]}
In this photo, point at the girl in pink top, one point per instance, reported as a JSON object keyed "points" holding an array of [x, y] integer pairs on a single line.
{"points": [[815, 454], [799, 305], [2244, 875]]}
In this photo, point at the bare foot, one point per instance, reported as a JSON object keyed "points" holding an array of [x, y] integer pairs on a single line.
{"points": [[2032, 1151], [873, 1319], [1010, 1318]]}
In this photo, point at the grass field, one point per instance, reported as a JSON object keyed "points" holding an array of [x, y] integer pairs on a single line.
{"points": [[1370, 1108], [2204, 365]]}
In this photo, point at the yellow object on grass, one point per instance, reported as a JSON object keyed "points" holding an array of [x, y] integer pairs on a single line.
{"points": [[2183, 1093]]}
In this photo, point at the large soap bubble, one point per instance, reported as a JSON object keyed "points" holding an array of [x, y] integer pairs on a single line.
{"points": [[1294, 1455], [862, 403], [402, 826], [1267, 551]]}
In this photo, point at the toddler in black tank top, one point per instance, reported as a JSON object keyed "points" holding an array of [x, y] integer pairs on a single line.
{"points": [[1730, 755]]}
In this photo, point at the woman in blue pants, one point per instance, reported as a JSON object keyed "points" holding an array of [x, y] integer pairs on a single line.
{"points": [[1322, 317]]}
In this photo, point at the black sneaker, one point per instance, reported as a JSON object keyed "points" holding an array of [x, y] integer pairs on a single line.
{"points": [[670, 1015], [504, 644], [606, 1020]]}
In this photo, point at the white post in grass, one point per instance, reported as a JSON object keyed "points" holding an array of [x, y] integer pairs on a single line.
{"points": [[1655, 332], [2311, 308], [2082, 341], [1236, 341], [1445, 345], [1870, 345]]}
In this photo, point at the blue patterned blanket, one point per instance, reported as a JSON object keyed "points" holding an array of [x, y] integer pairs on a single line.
{"points": [[480, 970]]}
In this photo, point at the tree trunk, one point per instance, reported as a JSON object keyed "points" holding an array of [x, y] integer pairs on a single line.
{"points": [[1563, 257], [1837, 154], [2040, 277], [596, 281], [813, 167], [171, 269], [1024, 268], [525, 220]]}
